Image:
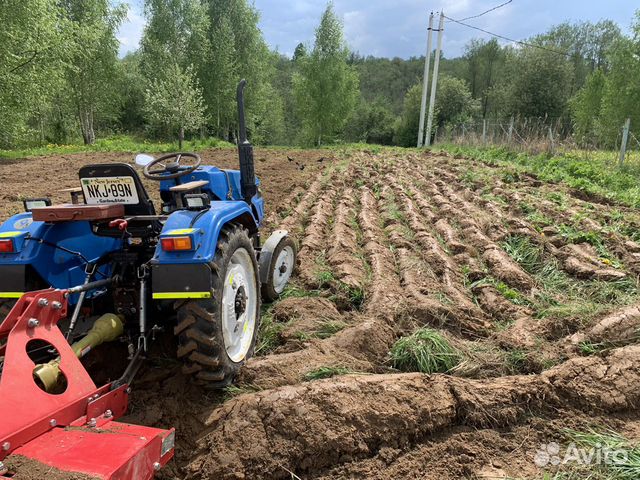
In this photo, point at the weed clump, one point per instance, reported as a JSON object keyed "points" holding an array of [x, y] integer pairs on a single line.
{"points": [[326, 372], [426, 351]]}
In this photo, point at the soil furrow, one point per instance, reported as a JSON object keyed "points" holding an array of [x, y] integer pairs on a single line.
{"points": [[306, 429], [345, 243]]}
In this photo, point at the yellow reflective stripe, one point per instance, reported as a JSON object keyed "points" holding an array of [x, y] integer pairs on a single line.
{"points": [[11, 234], [184, 231], [173, 295], [11, 294]]}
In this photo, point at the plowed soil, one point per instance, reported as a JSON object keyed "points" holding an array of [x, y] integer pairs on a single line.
{"points": [[534, 285]]}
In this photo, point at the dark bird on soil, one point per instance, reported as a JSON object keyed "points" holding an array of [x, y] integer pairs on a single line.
{"points": [[321, 159], [291, 159]]}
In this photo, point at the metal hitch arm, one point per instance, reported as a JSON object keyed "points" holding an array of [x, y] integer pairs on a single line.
{"points": [[67, 430]]}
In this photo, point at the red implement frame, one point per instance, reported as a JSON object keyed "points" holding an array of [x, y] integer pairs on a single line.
{"points": [[75, 430]]}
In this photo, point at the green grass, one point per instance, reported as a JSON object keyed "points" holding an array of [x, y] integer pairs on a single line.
{"points": [[573, 234], [426, 351], [560, 295], [515, 360], [118, 143], [326, 372], [322, 273], [355, 295], [329, 328], [598, 175], [511, 294], [269, 333], [619, 468], [589, 348], [232, 391]]}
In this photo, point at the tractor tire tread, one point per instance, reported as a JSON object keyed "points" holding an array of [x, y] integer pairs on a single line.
{"points": [[199, 321], [186, 349]]}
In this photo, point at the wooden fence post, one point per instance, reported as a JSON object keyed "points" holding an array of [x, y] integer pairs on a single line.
{"points": [[510, 134], [484, 131], [625, 140]]}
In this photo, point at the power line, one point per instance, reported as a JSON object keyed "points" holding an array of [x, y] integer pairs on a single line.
{"points": [[520, 42], [487, 11]]}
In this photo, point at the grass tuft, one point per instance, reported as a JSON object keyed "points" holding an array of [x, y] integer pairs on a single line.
{"points": [[561, 295], [269, 334], [426, 351], [329, 328], [326, 372], [618, 467]]}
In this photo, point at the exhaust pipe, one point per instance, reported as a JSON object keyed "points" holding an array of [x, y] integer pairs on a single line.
{"points": [[106, 329], [245, 151]]}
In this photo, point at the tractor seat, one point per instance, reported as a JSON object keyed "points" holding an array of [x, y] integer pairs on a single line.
{"points": [[77, 213], [99, 179], [130, 193]]}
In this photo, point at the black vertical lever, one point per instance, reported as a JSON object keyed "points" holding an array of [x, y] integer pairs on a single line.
{"points": [[245, 151]]}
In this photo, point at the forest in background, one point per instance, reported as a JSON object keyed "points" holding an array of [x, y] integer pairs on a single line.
{"points": [[61, 80]]}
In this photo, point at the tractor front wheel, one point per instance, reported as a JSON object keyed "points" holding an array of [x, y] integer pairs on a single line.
{"points": [[217, 335]]}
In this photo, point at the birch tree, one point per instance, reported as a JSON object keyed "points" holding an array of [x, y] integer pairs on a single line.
{"points": [[175, 101], [326, 87], [92, 57]]}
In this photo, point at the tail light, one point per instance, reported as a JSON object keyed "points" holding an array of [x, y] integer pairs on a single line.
{"points": [[173, 244], [6, 245]]}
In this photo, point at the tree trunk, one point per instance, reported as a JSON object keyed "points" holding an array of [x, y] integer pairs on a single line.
{"points": [[86, 125], [180, 138]]}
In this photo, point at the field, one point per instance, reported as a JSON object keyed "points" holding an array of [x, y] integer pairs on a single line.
{"points": [[449, 317]]}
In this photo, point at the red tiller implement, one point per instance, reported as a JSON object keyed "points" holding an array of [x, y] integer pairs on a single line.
{"points": [[73, 429]]}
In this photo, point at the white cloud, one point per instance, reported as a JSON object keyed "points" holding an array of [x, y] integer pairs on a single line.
{"points": [[131, 30], [398, 27]]}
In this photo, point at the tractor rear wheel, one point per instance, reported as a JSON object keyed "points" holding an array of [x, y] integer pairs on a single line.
{"points": [[217, 335]]}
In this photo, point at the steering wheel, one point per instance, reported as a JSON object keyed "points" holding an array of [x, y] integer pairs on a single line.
{"points": [[171, 167]]}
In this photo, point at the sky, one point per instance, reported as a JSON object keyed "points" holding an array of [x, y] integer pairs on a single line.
{"points": [[397, 28]]}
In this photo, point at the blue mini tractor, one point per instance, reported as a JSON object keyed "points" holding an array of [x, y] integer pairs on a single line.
{"points": [[197, 266]]}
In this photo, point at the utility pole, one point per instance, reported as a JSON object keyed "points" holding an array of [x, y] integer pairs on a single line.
{"points": [[425, 85], [434, 82]]}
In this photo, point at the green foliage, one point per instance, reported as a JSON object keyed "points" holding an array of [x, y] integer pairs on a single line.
{"points": [[31, 52], [326, 372], [329, 328], [269, 333], [611, 94], [408, 124], [61, 80], [562, 296], [325, 86], [454, 103], [119, 143], [511, 294], [175, 101], [594, 175], [540, 83], [617, 467], [586, 107], [484, 61], [426, 351], [91, 65], [371, 122], [516, 360]]}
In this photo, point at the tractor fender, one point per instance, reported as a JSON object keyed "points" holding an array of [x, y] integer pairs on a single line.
{"points": [[187, 274], [204, 228], [266, 253]]}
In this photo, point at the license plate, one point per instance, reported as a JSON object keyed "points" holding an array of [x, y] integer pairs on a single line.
{"points": [[107, 190]]}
